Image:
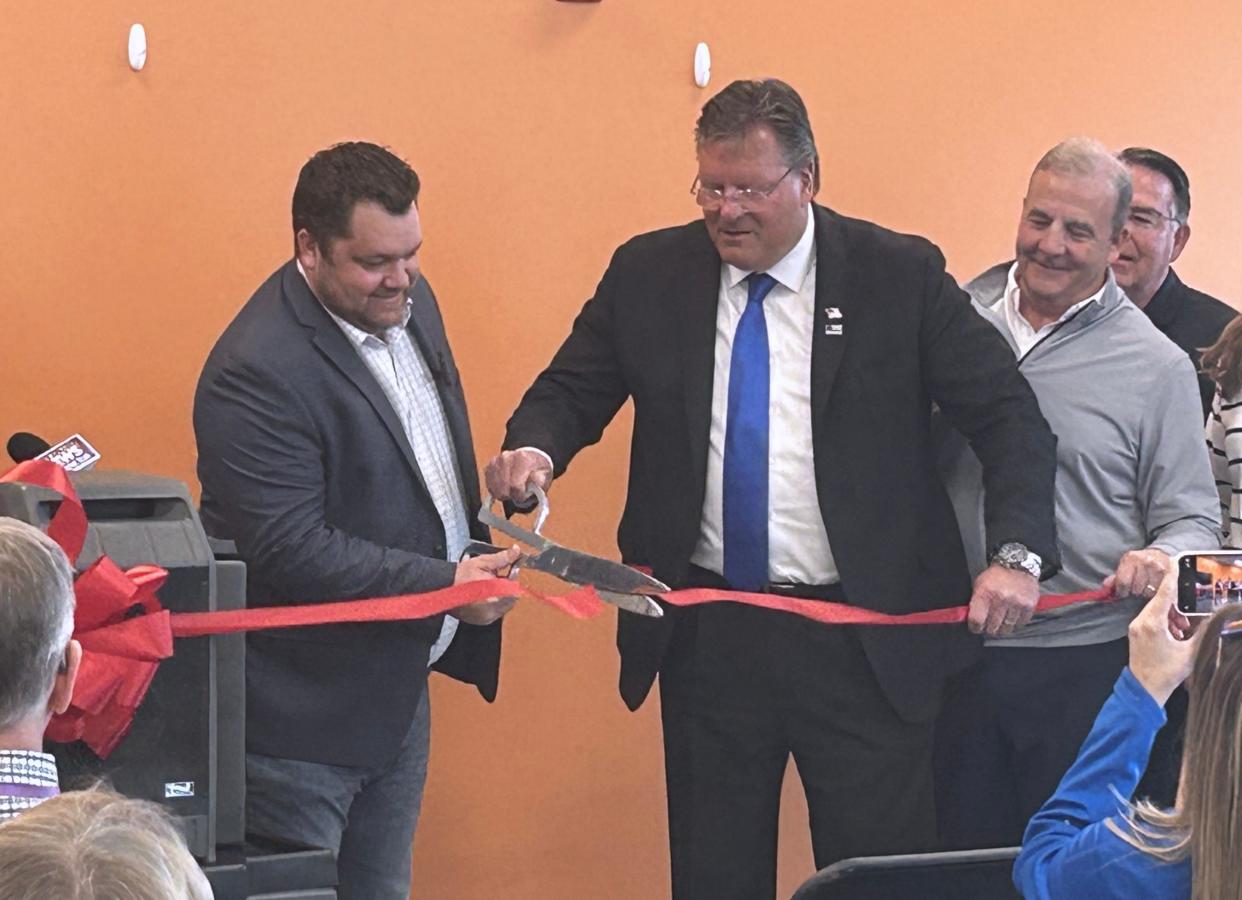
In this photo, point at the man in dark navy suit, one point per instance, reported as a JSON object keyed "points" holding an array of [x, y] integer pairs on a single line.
{"points": [[782, 360]]}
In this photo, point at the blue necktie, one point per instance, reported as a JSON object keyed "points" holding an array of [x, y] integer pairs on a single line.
{"points": [[745, 492]]}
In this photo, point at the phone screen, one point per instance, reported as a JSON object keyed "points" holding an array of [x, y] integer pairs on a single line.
{"points": [[1208, 581]]}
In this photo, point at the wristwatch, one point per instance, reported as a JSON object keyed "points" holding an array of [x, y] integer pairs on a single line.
{"points": [[1012, 555]]}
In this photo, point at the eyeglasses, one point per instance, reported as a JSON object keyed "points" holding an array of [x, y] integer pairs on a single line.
{"points": [[1150, 219], [746, 198]]}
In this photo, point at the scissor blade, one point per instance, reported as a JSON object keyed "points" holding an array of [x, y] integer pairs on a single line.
{"points": [[602, 574], [635, 603]]}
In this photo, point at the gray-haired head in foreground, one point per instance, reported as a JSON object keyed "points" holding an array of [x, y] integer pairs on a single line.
{"points": [[744, 105], [1088, 157], [36, 618], [97, 845]]}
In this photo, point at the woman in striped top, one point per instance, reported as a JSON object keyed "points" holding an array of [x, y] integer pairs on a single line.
{"points": [[1222, 362]]}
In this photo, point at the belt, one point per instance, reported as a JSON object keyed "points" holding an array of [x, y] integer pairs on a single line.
{"points": [[700, 577], [833, 592]]}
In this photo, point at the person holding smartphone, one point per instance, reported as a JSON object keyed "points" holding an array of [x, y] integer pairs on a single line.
{"points": [[1089, 839]]}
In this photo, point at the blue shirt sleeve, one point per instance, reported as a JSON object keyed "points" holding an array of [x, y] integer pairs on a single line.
{"points": [[1068, 850]]}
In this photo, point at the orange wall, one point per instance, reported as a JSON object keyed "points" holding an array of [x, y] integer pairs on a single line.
{"points": [[138, 211]]}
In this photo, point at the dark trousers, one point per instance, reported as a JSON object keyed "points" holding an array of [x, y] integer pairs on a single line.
{"points": [[743, 688], [1011, 727]]}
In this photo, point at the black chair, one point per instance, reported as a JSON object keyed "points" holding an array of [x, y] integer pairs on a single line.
{"points": [[956, 875]]}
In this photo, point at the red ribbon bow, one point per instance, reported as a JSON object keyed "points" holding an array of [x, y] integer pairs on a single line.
{"points": [[122, 629], [119, 654]]}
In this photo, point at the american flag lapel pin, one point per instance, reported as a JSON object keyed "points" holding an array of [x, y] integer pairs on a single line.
{"points": [[835, 326]]}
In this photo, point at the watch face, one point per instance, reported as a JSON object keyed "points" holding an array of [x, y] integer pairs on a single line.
{"points": [[1013, 554]]}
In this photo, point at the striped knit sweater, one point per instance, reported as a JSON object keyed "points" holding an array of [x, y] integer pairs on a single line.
{"points": [[1224, 438]]}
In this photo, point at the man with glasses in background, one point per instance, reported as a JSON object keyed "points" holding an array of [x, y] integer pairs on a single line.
{"points": [[782, 360], [1156, 232]]}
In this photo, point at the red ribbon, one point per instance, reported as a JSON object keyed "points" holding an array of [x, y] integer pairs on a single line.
{"points": [[125, 632], [831, 613]]}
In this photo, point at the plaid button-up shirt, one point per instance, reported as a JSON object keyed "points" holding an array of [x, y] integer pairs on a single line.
{"points": [[27, 778], [407, 382]]}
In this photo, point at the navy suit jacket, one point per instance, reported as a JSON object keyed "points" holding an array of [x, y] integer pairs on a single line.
{"points": [[304, 463], [908, 336]]}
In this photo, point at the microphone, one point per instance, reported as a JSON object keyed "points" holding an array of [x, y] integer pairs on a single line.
{"points": [[23, 446], [74, 453]]}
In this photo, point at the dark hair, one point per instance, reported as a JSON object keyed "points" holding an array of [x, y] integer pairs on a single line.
{"points": [[333, 181], [744, 105], [1168, 167]]}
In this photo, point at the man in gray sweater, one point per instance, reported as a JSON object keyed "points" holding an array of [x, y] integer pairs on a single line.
{"points": [[1133, 487]]}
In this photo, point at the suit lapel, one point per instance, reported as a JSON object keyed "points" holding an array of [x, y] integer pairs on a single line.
{"points": [[332, 343], [694, 293], [834, 302], [427, 329]]}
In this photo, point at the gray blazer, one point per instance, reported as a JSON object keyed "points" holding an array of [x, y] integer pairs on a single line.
{"points": [[304, 463]]}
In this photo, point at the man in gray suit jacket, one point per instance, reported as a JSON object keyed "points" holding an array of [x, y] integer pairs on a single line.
{"points": [[335, 450]]}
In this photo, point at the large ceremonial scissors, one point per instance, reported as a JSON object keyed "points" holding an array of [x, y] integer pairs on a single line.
{"points": [[615, 582]]}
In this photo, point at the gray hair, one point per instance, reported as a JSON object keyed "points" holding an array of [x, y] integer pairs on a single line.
{"points": [[744, 105], [97, 845], [36, 618], [1086, 156]]}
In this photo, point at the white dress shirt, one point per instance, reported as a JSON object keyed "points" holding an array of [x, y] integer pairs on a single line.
{"points": [[397, 365], [798, 548], [1024, 335]]}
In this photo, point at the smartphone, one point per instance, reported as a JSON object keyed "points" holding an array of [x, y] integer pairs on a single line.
{"points": [[1207, 581]]}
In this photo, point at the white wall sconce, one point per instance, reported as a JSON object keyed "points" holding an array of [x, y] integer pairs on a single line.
{"points": [[137, 47]]}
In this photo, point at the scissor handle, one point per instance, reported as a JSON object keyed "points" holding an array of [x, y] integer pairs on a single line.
{"points": [[479, 548], [482, 548], [544, 508], [532, 490]]}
